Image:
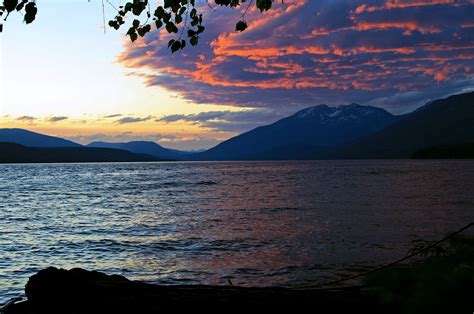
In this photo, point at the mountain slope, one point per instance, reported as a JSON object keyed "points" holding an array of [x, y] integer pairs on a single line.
{"points": [[142, 147], [449, 151], [32, 139], [300, 135], [16, 153], [440, 122]]}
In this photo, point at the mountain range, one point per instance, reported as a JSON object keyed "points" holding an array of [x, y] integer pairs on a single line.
{"points": [[303, 134], [441, 122], [32, 139], [320, 132], [16, 153], [355, 132], [143, 147]]}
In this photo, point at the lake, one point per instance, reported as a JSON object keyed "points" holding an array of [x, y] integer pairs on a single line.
{"points": [[255, 223]]}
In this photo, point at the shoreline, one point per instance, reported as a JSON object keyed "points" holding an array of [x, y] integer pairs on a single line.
{"points": [[81, 291], [440, 282]]}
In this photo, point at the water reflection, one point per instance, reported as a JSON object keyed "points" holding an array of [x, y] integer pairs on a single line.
{"points": [[258, 223]]}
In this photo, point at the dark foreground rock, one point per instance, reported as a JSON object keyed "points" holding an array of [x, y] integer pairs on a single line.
{"points": [[79, 291]]}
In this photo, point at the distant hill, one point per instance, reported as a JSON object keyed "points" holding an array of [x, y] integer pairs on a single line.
{"points": [[32, 139], [441, 122], [16, 153], [453, 151], [142, 147], [442, 128], [303, 134]]}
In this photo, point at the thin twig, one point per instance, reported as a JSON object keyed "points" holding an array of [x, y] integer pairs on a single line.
{"points": [[209, 5], [185, 22], [113, 6], [103, 15], [246, 10], [148, 15]]}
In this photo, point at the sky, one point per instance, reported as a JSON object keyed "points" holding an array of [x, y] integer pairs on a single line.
{"points": [[62, 75]]}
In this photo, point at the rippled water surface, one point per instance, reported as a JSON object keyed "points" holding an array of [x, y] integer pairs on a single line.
{"points": [[257, 223]]}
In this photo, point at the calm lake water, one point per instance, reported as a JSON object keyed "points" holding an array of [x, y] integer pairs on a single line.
{"points": [[257, 223]]}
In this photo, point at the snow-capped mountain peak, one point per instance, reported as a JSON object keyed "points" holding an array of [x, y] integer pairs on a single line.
{"points": [[325, 114]]}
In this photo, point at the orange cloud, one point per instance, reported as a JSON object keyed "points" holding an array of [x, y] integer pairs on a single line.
{"points": [[308, 51], [398, 4]]}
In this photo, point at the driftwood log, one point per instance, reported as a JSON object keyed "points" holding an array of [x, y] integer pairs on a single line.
{"points": [[80, 291]]}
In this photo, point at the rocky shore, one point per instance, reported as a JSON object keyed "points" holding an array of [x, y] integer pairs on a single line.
{"points": [[440, 281], [80, 291]]}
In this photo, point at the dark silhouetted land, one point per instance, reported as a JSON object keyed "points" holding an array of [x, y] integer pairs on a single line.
{"points": [[320, 132], [454, 151], [143, 147], [79, 291], [15, 153], [441, 281], [441, 122], [33, 139]]}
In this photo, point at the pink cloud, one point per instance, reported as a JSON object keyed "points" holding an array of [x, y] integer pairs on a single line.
{"points": [[307, 52]]}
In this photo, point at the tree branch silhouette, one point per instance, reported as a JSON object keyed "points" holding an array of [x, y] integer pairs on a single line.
{"points": [[171, 15]]}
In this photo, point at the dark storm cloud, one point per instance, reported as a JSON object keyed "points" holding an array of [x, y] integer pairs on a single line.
{"points": [[229, 121], [120, 137], [395, 54], [57, 119], [112, 116], [26, 119], [126, 120]]}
